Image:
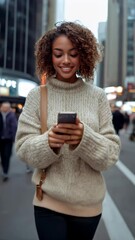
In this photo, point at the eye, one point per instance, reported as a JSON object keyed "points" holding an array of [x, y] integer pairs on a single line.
{"points": [[74, 55], [57, 55]]}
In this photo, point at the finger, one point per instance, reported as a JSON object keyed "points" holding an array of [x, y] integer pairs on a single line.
{"points": [[68, 131], [74, 142], [67, 125], [55, 140], [59, 136], [55, 145], [57, 131], [73, 138], [77, 120], [54, 134], [78, 126]]}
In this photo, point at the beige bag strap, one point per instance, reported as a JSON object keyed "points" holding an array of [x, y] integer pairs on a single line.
{"points": [[43, 120], [43, 108]]}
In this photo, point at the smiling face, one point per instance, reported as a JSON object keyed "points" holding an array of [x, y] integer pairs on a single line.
{"points": [[65, 58]]}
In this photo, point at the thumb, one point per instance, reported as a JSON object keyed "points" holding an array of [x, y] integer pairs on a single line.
{"points": [[77, 120]]}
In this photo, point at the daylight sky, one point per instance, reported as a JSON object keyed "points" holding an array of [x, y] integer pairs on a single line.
{"points": [[88, 12]]}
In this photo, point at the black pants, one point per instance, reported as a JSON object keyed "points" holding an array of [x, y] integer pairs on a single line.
{"points": [[57, 226], [5, 153]]}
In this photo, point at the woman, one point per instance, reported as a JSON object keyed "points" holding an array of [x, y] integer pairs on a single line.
{"points": [[73, 155]]}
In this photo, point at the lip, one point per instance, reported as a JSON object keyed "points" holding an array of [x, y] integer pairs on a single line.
{"points": [[66, 69]]}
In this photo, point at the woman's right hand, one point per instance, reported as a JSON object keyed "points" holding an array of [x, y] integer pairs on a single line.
{"points": [[55, 139]]}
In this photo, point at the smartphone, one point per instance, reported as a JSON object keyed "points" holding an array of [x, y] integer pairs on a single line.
{"points": [[67, 117]]}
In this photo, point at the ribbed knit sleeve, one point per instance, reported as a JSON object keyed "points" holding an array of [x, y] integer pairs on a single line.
{"points": [[100, 149], [31, 146]]}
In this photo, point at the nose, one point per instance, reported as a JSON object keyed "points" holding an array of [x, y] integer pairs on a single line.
{"points": [[66, 59]]}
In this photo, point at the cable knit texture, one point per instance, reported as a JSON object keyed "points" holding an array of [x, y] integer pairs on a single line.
{"points": [[74, 183]]}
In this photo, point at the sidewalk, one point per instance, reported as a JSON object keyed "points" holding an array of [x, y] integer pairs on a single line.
{"points": [[16, 209]]}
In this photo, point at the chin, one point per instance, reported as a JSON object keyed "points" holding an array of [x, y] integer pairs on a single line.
{"points": [[67, 77]]}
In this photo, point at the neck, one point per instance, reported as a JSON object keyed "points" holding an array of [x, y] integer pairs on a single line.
{"points": [[61, 85], [73, 79]]}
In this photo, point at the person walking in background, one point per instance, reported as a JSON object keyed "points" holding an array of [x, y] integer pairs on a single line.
{"points": [[118, 119], [133, 124], [72, 156], [126, 120], [8, 126], [132, 134]]}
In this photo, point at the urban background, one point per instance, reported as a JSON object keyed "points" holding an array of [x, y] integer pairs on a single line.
{"points": [[22, 22]]}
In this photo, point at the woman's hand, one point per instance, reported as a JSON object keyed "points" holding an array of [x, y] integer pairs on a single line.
{"points": [[65, 133]]}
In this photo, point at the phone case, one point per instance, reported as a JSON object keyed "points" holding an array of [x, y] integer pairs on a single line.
{"points": [[67, 117]]}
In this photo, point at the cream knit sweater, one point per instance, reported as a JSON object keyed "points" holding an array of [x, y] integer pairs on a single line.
{"points": [[74, 183]]}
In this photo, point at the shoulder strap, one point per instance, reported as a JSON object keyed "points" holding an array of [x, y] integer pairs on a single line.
{"points": [[43, 120], [43, 108]]}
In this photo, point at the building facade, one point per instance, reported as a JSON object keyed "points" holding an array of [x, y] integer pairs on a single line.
{"points": [[101, 65], [120, 46], [112, 44], [20, 26], [22, 22]]}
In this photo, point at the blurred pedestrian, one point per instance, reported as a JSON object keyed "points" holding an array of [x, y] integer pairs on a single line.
{"points": [[133, 124], [118, 119], [126, 120], [132, 134], [71, 157], [8, 126]]}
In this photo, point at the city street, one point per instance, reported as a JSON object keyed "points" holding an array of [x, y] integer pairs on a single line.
{"points": [[118, 219]]}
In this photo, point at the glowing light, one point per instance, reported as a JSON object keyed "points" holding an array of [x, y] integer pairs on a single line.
{"points": [[111, 96]]}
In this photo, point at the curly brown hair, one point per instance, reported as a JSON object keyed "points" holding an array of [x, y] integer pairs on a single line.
{"points": [[90, 51]]}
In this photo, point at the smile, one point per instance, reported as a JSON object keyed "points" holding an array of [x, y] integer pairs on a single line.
{"points": [[66, 69]]}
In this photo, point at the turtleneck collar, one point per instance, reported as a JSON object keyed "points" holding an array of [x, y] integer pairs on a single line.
{"points": [[60, 85]]}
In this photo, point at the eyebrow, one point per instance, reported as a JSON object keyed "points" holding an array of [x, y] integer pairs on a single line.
{"points": [[62, 50]]}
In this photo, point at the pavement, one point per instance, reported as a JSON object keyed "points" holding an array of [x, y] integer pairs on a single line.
{"points": [[118, 220]]}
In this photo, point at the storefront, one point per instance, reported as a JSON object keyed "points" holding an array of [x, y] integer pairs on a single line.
{"points": [[15, 91]]}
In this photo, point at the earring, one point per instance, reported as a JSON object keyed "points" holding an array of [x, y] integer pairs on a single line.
{"points": [[78, 73], [54, 75]]}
